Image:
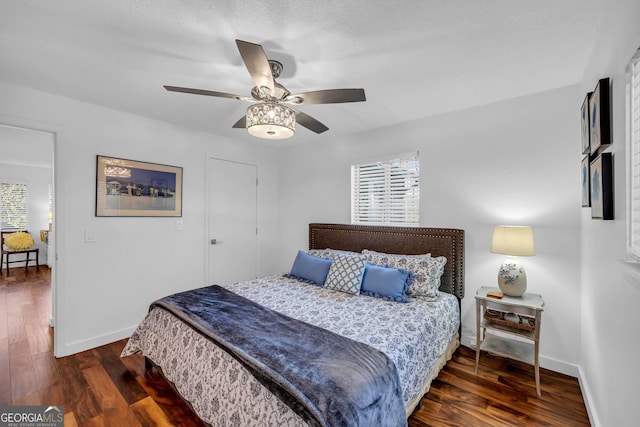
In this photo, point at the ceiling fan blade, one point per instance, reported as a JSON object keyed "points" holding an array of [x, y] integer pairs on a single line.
{"points": [[328, 96], [242, 123], [257, 63], [208, 93], [310, 123]]}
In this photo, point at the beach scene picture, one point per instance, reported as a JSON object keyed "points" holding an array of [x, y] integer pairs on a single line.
{"points": [[134, 188]]}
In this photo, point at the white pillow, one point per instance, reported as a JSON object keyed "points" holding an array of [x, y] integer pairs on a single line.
{"points": [[428, 270], [329, 253], [367, 251]]}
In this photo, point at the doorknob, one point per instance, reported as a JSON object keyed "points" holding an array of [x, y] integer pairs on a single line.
{"points": [[214, 241]]}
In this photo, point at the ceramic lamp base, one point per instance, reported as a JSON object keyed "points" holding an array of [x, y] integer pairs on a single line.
{"points": [[512, 279]]}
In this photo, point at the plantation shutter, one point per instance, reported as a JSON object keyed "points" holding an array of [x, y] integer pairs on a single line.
{"points": [[13, 206], [386, 192], [634, 156]]}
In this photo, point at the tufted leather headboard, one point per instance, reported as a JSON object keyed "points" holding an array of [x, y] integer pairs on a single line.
{"points": [[447, 242]]}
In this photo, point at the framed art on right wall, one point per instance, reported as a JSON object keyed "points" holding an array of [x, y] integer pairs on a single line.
{"points": [[584, 125], [601, 181], [599, 117], [585, 179]]}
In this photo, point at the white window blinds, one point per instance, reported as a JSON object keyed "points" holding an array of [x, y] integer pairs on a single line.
{"points": [[13, 206], [633, 153], [386, 192]]}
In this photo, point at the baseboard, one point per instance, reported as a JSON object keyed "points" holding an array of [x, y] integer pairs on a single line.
{"points": [[545, 362], [588, 399], [556, 365], [83, 345]]}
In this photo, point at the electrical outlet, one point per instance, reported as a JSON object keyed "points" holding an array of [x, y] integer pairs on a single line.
{"points": [[89, 236]]}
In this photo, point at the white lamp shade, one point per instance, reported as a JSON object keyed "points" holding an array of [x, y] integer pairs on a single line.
{"points": [[513, 240]]}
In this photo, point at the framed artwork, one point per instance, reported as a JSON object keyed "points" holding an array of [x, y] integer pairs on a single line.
{"points": [[602, 187], [585, 180], [133, 188], [584, 122], [600, 116]]}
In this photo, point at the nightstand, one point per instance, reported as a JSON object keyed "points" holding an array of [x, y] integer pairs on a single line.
{"points": [[516, 316]]}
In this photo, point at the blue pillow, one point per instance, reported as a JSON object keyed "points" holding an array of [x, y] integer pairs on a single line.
{"points": [[310, 268], [387, 283]]}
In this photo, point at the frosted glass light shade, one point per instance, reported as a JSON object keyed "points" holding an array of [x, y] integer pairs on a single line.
{"points": [[512, 240], [271, 121]]}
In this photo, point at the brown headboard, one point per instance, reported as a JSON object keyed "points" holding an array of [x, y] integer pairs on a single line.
{"points": [[447, 242]]}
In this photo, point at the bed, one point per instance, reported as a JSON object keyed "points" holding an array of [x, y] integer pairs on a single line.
{"points": [[386, 352]]}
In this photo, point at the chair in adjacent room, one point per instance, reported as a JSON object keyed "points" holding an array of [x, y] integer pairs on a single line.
{"points": [[7, 253]]}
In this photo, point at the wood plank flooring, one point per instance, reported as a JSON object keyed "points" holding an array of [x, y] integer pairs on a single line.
{"points": [[98, 388]]}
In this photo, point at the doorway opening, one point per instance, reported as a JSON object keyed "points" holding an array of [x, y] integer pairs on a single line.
{"points": [[27, 161]]}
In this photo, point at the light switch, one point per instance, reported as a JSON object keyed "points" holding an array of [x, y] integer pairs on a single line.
{"points": [[179, 224]]}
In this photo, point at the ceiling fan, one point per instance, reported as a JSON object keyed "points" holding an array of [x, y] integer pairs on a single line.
{"points": [[269, 117]]}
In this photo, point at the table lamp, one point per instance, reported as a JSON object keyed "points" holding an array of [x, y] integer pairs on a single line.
{"points": [[513, 241]]}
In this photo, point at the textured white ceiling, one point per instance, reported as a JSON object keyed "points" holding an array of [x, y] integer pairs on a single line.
{"points": [[414, 58]]}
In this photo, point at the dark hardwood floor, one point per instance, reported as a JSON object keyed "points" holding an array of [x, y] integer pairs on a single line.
{"points": [[98, 388]]}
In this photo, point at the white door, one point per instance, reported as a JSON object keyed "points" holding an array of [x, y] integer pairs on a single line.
{"points": [[233, 240]]}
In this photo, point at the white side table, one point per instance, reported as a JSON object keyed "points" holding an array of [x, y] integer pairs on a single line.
{"points": [[523, 320]]}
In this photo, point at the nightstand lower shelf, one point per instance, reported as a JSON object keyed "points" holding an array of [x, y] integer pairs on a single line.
{"points": [[518, 350]]}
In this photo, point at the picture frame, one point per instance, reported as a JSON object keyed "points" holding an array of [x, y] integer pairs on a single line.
{"points": [[584, 124], [601, 180], [600, 117], [585, 180], [135, 188]]}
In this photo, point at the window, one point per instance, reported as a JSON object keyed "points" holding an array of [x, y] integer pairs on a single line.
{"points": [[633, 157], [13, 206], [386, 192]]}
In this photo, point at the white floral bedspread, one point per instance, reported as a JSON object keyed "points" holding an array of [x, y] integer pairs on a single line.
{"points": [[223, 393], [413, 335]]}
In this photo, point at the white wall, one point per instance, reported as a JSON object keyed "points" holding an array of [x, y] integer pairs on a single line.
{"points": [[512, 162], [610, 286], [37, 180], [104, 288]]}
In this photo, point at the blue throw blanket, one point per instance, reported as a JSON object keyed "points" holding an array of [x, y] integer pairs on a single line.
{"points": [[327, 379]]}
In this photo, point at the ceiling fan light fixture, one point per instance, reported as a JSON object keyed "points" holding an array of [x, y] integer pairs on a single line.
{"points": [[270, 120]]}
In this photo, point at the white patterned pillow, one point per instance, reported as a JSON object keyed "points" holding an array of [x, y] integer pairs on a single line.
{"points": [[346, 273], [370, 252], [329, 253], [428, 270]]}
